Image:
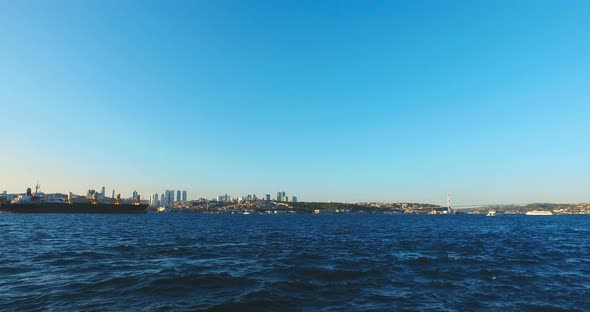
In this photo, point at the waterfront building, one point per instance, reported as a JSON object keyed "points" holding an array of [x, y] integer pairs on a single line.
{"points": [[267, 197], [281, 196], [286, 198], [183, 196], [102, 192], [293, 199], [134, 194], [178, 195], [163, 200]]}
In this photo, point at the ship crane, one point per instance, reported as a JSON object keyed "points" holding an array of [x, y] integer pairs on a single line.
{"points": [[36, 203]]}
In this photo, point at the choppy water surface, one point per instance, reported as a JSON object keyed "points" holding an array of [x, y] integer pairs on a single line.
{"points": [[186, 262]]}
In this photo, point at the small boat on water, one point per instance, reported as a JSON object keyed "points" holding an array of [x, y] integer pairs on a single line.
{"points": [[491, 213]]}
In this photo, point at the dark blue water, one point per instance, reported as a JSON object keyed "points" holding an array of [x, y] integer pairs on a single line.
{"points": [[186, 262]]}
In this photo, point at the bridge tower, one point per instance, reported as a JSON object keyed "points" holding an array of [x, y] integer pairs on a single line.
{"points": [[449, 203]]}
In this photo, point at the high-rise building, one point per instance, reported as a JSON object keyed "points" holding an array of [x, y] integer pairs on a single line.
{"points": [[113, 194], [169, 196], [183, 196], [267, 197], [134, 195], [223, 198], [102, 192], [178, 195], [155, 200], [163, 200], [293, 199], [286, 199]]}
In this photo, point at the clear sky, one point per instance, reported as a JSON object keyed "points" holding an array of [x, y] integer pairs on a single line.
{"points": [[327, 100]]}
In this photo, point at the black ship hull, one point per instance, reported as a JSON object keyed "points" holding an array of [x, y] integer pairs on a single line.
{"points": [[74, 208]]}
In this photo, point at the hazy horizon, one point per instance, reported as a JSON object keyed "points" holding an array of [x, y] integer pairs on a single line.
{"points": [[326, 100]]}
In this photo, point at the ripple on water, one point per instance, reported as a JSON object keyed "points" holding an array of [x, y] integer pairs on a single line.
{"points": [[187, 262]]}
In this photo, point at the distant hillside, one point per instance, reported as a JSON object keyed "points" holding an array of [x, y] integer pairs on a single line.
{"points": [[546, 206], [309, 207]]}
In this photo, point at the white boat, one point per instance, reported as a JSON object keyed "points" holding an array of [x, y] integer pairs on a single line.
{"points": [[491, 213], [539, 213]]}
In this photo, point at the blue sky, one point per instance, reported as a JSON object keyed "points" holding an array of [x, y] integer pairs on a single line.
{"points": [[327, 100]]}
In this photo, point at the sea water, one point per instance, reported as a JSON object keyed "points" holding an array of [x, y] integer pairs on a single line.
{"points": [[187, 262]]}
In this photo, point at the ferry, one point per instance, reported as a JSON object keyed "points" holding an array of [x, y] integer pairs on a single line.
{"points": [[539, 213]]}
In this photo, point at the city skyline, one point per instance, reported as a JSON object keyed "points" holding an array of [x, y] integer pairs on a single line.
{"points": [[337, 101]]}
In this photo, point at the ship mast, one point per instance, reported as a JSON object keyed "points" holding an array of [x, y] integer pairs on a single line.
{"points": [[37, 187]]}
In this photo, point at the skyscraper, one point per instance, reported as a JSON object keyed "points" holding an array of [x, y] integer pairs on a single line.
{"points": [[134, 195], [183, 196], [178, 195], [163, 200], [102, 192], [169, 196], [223, 198], [293, 199], [267, 197], [113, 194]]}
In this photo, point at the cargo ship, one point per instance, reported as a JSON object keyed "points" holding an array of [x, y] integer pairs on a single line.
{"points": [[30, 202]]}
